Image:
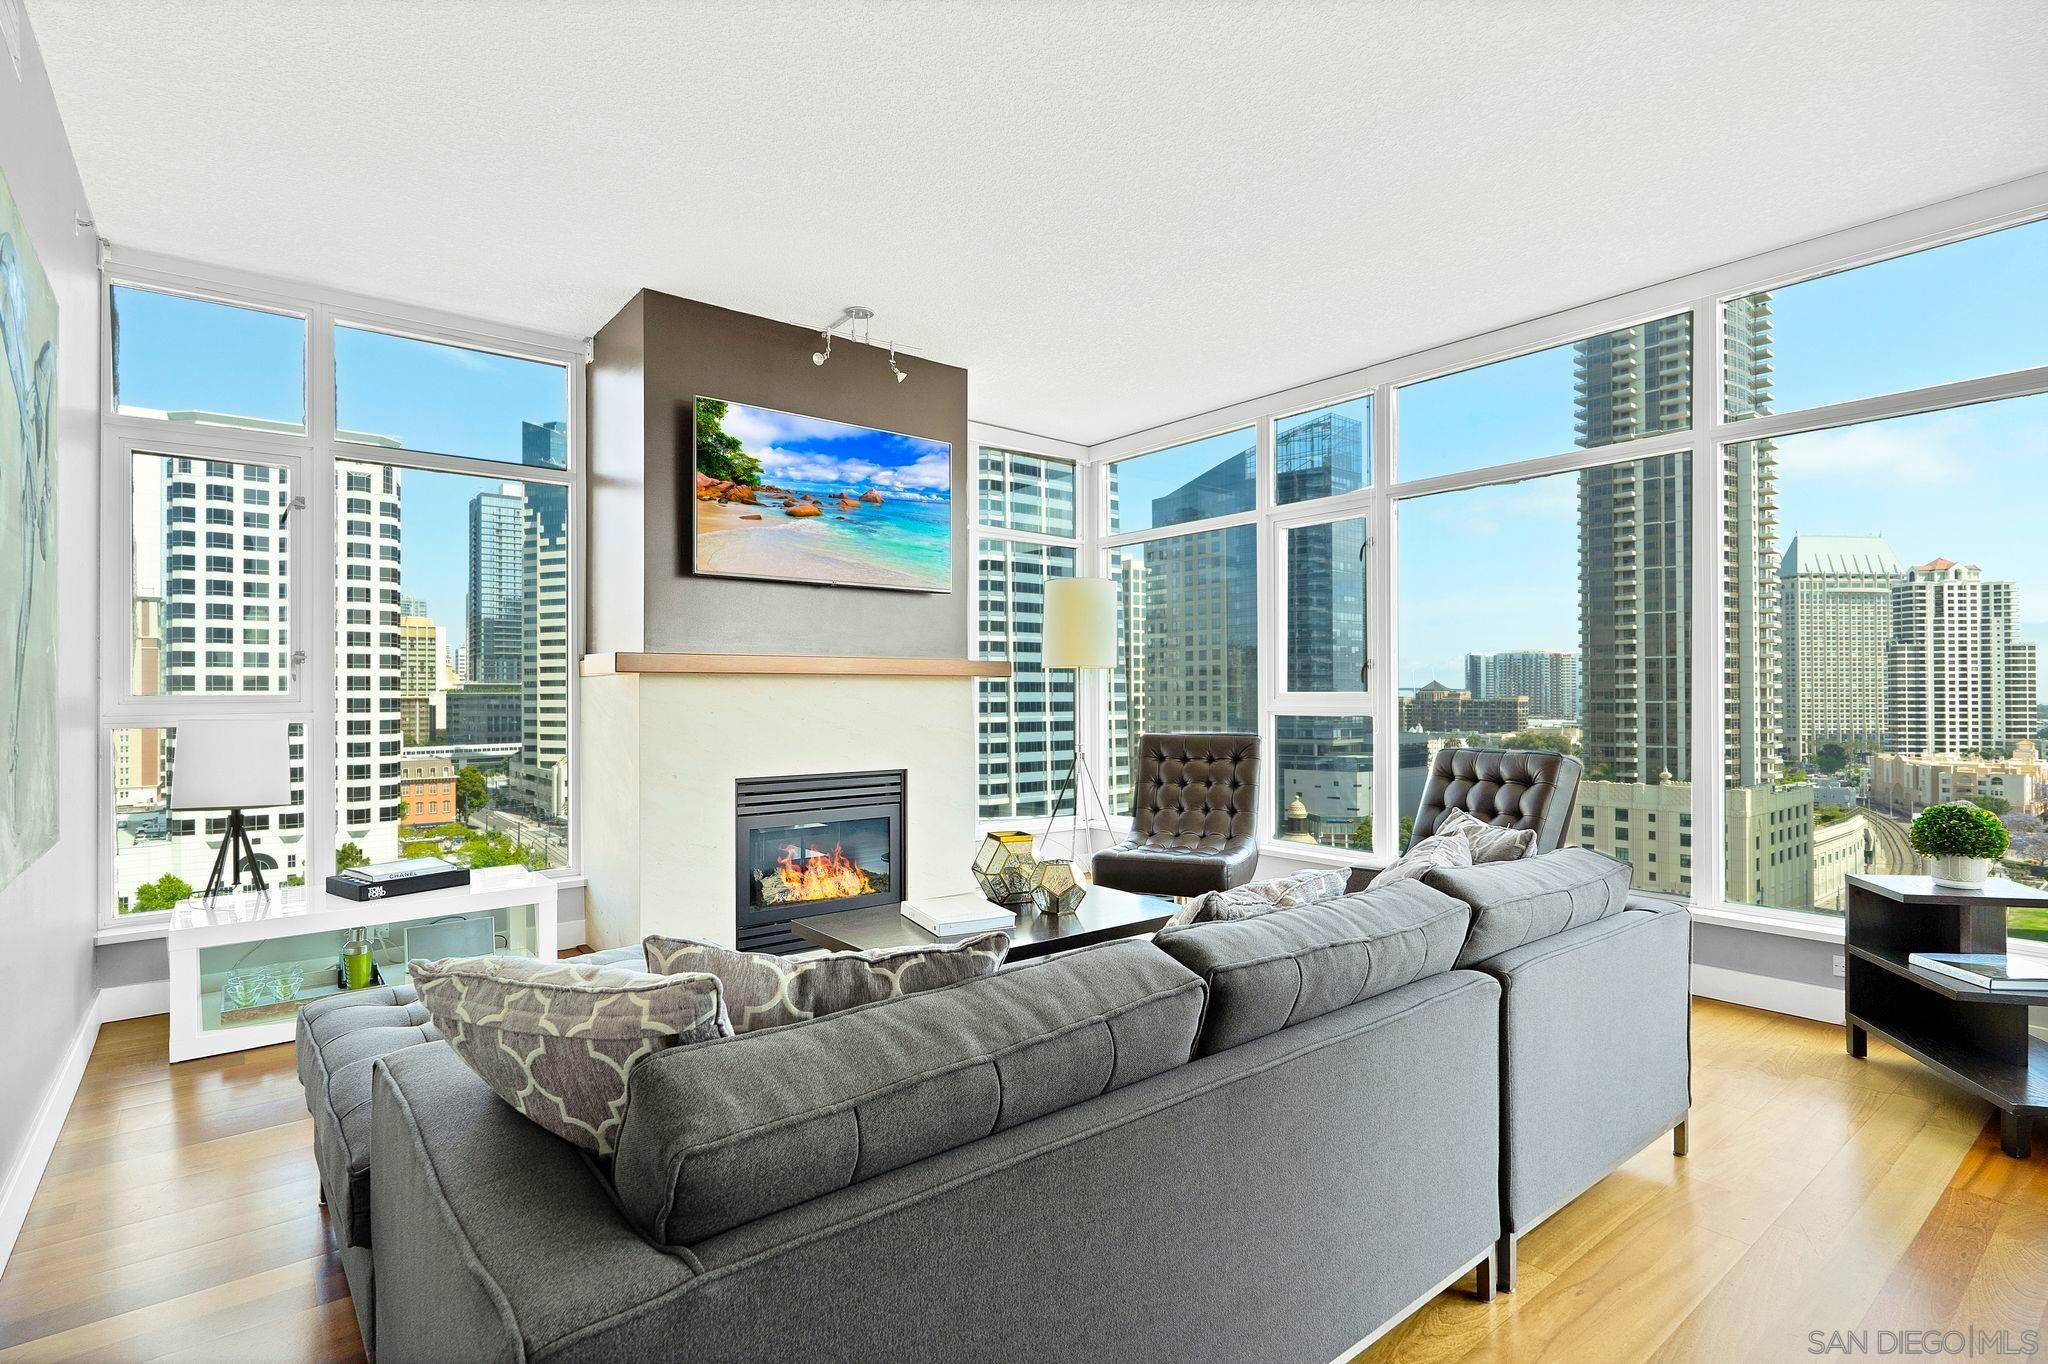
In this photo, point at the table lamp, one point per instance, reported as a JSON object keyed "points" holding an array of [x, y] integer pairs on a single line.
{"points": [[1080, 634], [231, 765]]}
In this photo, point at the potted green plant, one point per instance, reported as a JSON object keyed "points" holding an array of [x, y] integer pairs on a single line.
{"points": [[1963, 840]]}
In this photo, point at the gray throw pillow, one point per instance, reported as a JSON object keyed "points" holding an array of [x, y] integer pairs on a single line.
{"points": [[1260, 897], [1437, 852], [557, 1040], [763, 990], [1490, 842]]}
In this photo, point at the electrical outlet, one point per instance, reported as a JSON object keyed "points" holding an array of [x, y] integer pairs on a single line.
{"points": [[1840, 970]]}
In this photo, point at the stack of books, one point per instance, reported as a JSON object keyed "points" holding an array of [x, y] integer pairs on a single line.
{"points": [[1986, 970]]}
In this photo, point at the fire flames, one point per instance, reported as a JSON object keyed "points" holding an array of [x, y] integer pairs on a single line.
{"points": [[818, 876]]}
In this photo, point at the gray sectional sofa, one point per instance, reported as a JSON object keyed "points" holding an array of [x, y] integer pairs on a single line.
{"points": [[1267, 1139]]}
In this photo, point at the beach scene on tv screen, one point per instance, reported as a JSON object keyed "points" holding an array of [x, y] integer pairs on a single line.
{"points": [[810, 500]]}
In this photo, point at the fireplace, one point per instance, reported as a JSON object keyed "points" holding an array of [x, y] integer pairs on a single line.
{"points": [[814, 845]]}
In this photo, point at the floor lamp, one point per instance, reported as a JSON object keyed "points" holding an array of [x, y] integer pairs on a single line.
{"points": [[1080, 635]]}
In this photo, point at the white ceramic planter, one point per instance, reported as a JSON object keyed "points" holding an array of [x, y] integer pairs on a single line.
{"points": [[1961, 873]]}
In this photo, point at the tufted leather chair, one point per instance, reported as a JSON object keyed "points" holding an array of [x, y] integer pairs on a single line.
{"points": [[1511, 787], [1193, 806]]}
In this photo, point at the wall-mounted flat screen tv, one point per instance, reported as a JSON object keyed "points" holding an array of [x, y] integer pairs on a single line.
{"points": [[808, 500]]}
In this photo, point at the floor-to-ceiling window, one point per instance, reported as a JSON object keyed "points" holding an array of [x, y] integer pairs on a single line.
{"points": [[362, 527], [1772, 624]]}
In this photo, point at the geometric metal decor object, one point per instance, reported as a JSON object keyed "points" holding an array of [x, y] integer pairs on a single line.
{"points": [[1004, 868], [1057, 890]]}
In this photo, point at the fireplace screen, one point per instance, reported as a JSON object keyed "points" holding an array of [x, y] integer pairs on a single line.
{"points": [[814, 844], [819, 860]]}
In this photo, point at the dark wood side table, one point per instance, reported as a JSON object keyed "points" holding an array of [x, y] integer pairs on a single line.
{"points": [[1973, 1038], [1104, 914]]}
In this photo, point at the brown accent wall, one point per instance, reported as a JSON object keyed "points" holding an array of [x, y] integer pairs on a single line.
{"points": [[650, 363]]}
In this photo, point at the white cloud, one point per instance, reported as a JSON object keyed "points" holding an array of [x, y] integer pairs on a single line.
{"points": [[761, 426], [809, 466]]}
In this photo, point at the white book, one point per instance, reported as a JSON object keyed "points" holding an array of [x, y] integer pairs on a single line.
{"points": [[943, 919], [1985, 970]]}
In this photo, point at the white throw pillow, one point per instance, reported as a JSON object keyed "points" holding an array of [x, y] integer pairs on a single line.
{"points": [[1261, 897], [1490, 842], [1438, 850]]}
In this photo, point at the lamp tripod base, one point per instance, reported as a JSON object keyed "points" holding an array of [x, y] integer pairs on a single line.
{"points": [[1077, 768], [234, 844]]}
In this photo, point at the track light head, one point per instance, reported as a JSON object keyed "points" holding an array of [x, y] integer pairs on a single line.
{"points": [[817, 357]]}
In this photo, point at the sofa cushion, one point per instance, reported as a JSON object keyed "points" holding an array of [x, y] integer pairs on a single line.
{"points": [[339, 1039], [763, 990], [1490, 842], [720, 1134], [558, 1040], [1260, 897], [632, 958], [1279, 969], [1518, 902]]}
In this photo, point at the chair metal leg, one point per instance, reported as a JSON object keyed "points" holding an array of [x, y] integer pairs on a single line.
{"points": [[1680, 1143]]}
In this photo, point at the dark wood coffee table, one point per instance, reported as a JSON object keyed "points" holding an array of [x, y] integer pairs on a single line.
{"points": [[1104, 914]]}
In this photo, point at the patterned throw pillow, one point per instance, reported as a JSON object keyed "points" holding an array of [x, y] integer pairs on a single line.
{"points": [[1438, 850], [1260, 897], [763, 990], [556, 1040], [1490, 842]]}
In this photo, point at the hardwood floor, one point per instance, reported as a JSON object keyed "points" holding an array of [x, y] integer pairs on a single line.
{"points": [[180, 1219], [1821, 1193]]}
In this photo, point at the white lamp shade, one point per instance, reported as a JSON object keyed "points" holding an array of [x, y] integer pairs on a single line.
{"points": [[231, 764], [1080, 623]]}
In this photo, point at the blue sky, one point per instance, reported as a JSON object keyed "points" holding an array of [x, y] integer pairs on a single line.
{"points": [[1482, 571], [816, 452]]}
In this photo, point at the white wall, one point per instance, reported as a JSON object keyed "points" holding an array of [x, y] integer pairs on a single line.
{"points": [[46, 914]]}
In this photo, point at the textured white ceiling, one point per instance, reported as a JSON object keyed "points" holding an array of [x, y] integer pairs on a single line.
{"points": [[1114, 215]]}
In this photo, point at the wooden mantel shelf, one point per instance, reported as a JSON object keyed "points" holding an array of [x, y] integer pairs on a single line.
{"points": [[788, 665]]}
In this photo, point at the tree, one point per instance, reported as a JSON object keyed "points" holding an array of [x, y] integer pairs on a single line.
{"points": [[472, 792], [1997, 805], [1361, 832], [295, 879], [350, 854], [161, 893], [1543, 740], [720, 454], [1831, 759]]}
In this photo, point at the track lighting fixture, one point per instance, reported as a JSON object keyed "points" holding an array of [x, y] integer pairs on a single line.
{"points": [[854, 319]]}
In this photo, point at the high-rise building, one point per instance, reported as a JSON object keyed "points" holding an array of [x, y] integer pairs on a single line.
{"points": [[1636, 557], [1127, 691], [540, 779], [420, 648], [1025, 727], [497, 553], [369, 656], [1548, 677], [1836, 595], [1956, 680], [544, 445], [1325, 563]]}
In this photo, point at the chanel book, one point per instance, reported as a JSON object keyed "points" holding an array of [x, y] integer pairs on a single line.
{"points": [[1986, 970], [403, 877]]}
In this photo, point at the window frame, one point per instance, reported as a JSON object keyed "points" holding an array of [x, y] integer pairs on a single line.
{"points": [[311, 457], [1703, 294]]}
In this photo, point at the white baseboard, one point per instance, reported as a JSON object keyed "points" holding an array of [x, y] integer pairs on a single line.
{"points": [[18, 1189], [569, 933], [140, 1000], [1797, 998]]}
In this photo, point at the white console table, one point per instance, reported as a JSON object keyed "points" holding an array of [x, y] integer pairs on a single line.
{"points": [[297, 932]]}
